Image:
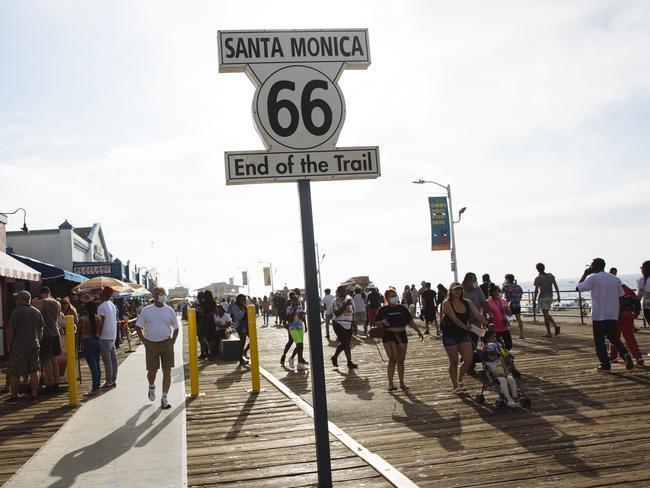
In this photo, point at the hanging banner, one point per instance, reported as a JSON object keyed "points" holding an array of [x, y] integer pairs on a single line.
{"points": [[244, 278], [267, 276], [439, 224]]}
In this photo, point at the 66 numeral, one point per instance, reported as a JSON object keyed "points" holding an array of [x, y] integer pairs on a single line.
{"points": [[307, 106]]}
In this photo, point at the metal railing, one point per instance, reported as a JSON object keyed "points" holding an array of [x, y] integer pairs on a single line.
{"points": [[575, 305]]}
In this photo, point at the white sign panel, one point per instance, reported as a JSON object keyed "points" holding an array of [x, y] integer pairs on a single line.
{"points": [[298, 107], [239, 49], [265, 167]]}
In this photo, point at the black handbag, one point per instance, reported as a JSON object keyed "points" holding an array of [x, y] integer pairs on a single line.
{"points": [[376, 332]]}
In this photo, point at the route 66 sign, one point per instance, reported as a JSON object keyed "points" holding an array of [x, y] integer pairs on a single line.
{"points": [[298, 107]]}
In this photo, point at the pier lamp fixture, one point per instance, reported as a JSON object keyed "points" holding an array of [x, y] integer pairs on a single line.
{"points": [[454, 262], [24, 227]]}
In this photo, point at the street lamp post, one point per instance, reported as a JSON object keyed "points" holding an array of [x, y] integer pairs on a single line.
{"points": [[454, 261], [24, 227]]}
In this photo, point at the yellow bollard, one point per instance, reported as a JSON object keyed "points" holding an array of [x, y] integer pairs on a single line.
{"points": [[255, 358], [71, 346], [194, 361]]}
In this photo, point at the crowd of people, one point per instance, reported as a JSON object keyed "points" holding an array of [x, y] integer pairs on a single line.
{"points": [[37, 339], [472, 320], [469, 316]]}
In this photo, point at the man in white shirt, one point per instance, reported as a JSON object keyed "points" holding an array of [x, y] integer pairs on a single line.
{"points": [[327, 303], [108, 313], [160, 326], [606, 291]]}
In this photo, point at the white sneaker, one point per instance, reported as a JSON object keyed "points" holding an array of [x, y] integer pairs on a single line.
{"points": [[302, 367], [291, 363], [512, 404], [152, 392], [164, 403]]}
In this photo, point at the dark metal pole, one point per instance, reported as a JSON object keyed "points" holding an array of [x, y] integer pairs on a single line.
{"points": [[319, 396]]}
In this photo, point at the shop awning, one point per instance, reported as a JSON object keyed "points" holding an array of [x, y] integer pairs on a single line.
{"points": [[13, 268], [49, 271]]}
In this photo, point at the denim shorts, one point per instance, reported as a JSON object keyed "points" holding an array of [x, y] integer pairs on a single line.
{"points": [[449, 341]]}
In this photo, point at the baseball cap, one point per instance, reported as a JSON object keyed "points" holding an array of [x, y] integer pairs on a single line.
{"points": [[455, 284], [23, 294]]}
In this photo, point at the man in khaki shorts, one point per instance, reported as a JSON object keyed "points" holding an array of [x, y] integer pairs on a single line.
{"points": [[159, 336], [544, 284]]}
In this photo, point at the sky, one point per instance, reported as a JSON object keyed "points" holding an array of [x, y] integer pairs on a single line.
{"points": [[536, 113]]}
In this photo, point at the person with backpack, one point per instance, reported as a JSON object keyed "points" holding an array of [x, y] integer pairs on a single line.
{"points": [[630, 310], [512, 293]]}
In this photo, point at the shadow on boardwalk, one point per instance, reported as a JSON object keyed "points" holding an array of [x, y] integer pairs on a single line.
{"points": [[110, 447], [425, 420], [543, 437]]}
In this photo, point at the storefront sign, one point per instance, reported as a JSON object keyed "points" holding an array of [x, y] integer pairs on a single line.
{"points": [[439, 224], [91, 270]]}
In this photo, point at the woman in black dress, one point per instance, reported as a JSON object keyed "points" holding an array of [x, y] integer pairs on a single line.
{"points": [[394, 317]]}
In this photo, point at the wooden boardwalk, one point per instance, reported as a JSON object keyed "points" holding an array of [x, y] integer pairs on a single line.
{"points": [[24, 428], [235, 438], [584, 429]]}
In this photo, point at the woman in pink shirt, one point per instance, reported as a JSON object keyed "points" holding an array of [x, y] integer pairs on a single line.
{"points": [[498, 310]]}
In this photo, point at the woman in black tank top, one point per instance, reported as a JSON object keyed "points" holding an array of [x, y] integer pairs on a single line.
{"points": [[457, 313]]}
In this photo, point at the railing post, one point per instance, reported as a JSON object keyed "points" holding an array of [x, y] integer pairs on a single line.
{"points": [[194, 362], [582, 312], [72, 364], [255, 359], [531, 294]]}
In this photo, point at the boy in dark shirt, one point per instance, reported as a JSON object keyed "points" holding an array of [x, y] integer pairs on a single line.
{"points": [[429, 308]]}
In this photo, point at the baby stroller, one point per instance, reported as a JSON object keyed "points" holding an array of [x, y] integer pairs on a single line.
{"points": [[489, 381], [507, 356]]}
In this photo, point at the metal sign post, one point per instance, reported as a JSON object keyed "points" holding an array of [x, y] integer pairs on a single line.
{"points": [[319, 395], [299, 110]]}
